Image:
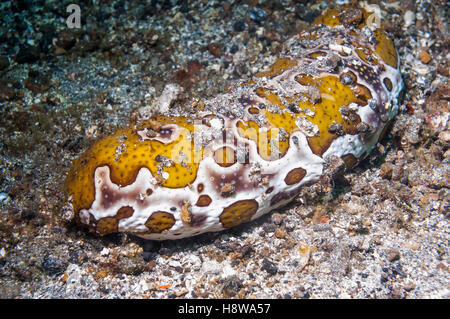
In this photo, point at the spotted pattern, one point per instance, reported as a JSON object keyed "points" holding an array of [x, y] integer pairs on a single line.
{"points": [[330, 94]]}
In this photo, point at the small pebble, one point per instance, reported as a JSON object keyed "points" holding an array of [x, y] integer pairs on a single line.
{"points": [[277, 218], [409, 18], [53, 266], [4, 198], [232, 286], [424, 56], [258, 15], [104, 252], [393, 255], [269, 228], [279, 233], [65, 40], [269, 266], [409, 286], [239, 26], [386, 170], [215, 49]]}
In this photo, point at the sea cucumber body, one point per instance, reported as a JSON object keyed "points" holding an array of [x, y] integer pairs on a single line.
{"points": [[331, 93]]}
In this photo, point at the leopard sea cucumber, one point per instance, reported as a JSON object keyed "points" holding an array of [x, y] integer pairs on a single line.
{"points": [[330, 94]]}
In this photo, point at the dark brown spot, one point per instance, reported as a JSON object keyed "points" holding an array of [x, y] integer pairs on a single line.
{"points": [[225, 156], [246, 101], [159, 221], [203, 201], [124, 212], [200, 187], [295, 176], [270, 190], [253, 110], [238, 212], [387, 82], [165, 132], [304, 79], [149, 191], [107, 225]]}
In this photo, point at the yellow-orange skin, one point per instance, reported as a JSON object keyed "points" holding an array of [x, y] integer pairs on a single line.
{"points": [[124, 167], [125, 152]]}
